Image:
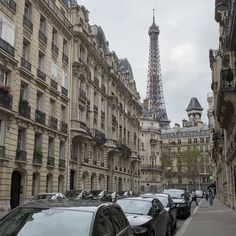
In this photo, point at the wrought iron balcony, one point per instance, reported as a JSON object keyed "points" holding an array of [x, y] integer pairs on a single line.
{"points": [[228, 79], [42, 37], [21, 155], [27, 23], [82, 94], [52, 122], [124, 150], [2, 151], [5, 99], [62, 163], [51, 161], [54, 84], [37, 156], [64, 127], [65, 58], [25, 64], [99, 136], [24, 109], [54, 48], [5, 46], [64, 91], [41, 75], [10, 3], [40, 117]]}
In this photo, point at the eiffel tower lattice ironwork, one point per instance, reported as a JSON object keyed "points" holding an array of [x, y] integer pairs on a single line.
{"points": [[154, 95]]}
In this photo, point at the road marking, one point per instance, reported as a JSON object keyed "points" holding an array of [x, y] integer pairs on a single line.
{"points": [[183, 228]]}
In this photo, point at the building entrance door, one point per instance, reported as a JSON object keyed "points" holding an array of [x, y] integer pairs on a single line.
{"points": [[15, 189]]}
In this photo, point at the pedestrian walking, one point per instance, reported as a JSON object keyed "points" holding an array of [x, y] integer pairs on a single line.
{"points": [[210, 197], [194, 198]]}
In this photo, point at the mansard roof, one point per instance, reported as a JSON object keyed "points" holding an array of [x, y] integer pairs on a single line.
{"points": [[126, 67], [194, 105]]}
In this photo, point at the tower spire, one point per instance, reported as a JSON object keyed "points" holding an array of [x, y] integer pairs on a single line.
{"points": [[155, 96]]}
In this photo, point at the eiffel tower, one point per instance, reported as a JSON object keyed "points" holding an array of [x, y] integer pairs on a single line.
{"points": [[154, 96]]}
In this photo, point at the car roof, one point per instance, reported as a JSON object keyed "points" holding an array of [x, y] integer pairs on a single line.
{"points": [[80, 205], [140, 198]]}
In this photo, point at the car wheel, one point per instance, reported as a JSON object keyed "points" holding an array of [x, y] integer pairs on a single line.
{"points": [[168, 232]]}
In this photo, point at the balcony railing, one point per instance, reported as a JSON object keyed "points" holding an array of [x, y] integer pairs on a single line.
{"points": [[21, 155], [54, 84], [27, 23], [96, 81], [64, 91], [51, 161], [99, 136], [24, 109], [2, 151], [53, 122], [54, 48], [58, 14], [65, 58], [64, 127], [42, 37], [5, 99], [25, 64], [5, 46], [82, 94], [10, 3], [228, 79], [62, 163], [40, 117], [124, 150], [41, 75]]}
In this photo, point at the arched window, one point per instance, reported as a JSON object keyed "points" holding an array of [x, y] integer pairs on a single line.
{"points": [[49, 183]]}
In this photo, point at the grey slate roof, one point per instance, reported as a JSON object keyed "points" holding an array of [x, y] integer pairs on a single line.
{"points": [[125, 66], [194, 105]]}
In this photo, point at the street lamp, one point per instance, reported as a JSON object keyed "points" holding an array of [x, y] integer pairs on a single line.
{"points": [[222, 6]]}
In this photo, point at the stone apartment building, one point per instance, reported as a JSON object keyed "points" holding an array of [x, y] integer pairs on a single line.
{"points": [[222, 64], [64, 99], [192, 135]]}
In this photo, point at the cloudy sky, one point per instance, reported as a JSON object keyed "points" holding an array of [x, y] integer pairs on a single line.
{"points": [[187, 32]]}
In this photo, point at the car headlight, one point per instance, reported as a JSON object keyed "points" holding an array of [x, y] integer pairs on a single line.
{"points": [[140, 230], [182, 205]]}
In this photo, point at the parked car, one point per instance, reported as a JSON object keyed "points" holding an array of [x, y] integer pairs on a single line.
{"points": [[49, 196], [79, 194], [181, 200], [199, 193], [83, 218], [146, 216], [169, 206], [102, 195]]}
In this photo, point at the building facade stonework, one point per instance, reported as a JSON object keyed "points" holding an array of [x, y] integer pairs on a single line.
{"points": [[69, 111], [222, 64]]}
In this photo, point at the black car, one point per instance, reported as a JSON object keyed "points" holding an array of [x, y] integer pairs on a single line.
{"points": [[169, 206], [101, 195], [181, 200], [83, 218], [79, 194], [146, 216]]}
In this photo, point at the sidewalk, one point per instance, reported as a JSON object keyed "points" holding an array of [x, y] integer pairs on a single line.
{"points": [[216, 220]]}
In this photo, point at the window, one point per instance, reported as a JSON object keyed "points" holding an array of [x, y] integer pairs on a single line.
{"points": [[64, 79], [35, 184], [201, 140], [39, 101], [38, 141], [7, 30], [24, 92], [189, 140], [63, 113], [82, 54], [195, 140], [26, 50], [54, 71], [51, 146], [41, 61], [52, 107], [28, 10], [179, 141], [54, 36], [65, 47], [21, 139], [62, 150], [49, 183], [42, 26], [3, 77], [2, 132]]}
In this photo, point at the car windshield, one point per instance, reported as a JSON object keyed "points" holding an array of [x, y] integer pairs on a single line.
{"points": [[43, 196], [174, 193], [163, 200], [41, 222], [134, 206]]}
